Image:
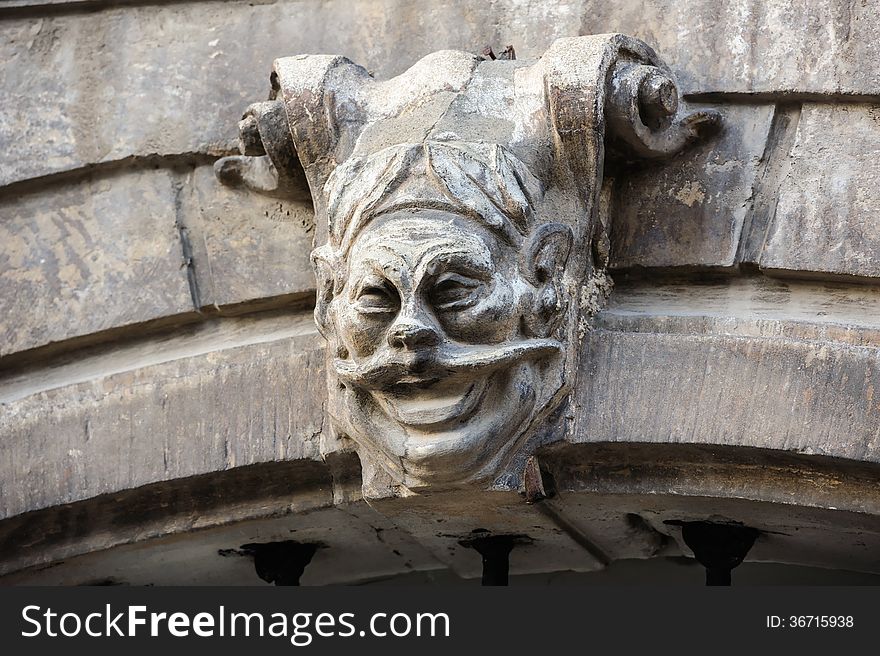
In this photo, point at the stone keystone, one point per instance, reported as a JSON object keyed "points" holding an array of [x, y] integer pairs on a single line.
{"points": [[459, 246]]}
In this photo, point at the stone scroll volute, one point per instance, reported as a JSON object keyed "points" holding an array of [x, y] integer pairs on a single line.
{"points": [[460, 248]]}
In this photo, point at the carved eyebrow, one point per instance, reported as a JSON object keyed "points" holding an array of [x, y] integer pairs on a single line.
{"points": [[461, 262], [372, 272], [369, 280]]}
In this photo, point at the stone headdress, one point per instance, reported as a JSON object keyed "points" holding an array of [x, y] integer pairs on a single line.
{"points": [[545, 122]]}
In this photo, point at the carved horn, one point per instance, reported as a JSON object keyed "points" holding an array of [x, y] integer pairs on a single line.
{"points": [[616, 88], [642, 113], [268, 163]]}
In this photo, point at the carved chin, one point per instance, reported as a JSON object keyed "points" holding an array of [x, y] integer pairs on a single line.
{"points": [[450, 431], [433, 406], [495, 412]]}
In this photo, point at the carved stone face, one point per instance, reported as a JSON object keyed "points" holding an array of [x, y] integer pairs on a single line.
{"points": [[440, 359], [446, 202]]}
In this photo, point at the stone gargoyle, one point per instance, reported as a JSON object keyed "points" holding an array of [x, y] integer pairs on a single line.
{"points": [[460, 248]]}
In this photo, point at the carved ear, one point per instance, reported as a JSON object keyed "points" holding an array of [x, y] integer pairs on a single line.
{"points": [[324, 264], [543, 260]]}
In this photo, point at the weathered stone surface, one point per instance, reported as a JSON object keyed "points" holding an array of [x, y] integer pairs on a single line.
{"points": [[733, 377], [234, 393], [80, 259], [245, 247], [753, 399], [827, 215], [89, 257], [145, 62], [241, 391], [753, 46], [689, 212], [179, 67], [767, 476], [674, 363], [356, 545], [728, 390], [748, 307], [447, 523]]}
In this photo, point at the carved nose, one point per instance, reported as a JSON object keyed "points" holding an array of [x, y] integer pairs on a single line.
{"points": [[411, 333]]}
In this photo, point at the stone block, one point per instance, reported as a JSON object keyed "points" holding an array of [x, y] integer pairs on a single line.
{"points": [[237, 393], [827, 217], [813, 398], [245, 247], [85, 258], [736, 376], [79, 259], [690, 211], [753, 46]]}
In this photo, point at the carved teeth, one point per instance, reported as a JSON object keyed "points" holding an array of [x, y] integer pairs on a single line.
{"points": [[432, 408]]}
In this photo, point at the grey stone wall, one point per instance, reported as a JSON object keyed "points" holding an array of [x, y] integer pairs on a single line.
{"points": [[156, 326]]}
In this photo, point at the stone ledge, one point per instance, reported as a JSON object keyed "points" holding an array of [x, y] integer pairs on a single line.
{"points": [[795, 369], [163, 508], [162, 421], [814, 398], [754, 306], [627, 498]]}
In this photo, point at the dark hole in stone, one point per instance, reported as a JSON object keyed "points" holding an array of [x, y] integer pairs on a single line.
{"points": [[281, 563]]}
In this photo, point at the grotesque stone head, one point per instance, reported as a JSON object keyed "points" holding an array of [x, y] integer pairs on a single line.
{"points": [[459, 239], [440, 295]]}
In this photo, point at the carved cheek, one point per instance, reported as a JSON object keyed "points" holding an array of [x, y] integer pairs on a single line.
{"points": [[491, 320], [359, 334]]}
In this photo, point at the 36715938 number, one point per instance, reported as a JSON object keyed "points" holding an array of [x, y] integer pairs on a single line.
{"points": [[810, 621]]}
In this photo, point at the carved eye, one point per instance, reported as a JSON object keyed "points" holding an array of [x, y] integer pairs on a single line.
{"points": [[378, 298], [454, 292]]}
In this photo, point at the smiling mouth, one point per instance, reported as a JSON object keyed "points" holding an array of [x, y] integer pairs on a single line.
{"points": [[432, 404]]}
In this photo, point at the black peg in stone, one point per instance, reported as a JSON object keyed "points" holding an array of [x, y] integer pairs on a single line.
{"points": [[281, 563], [495, 550], [718, 547]]}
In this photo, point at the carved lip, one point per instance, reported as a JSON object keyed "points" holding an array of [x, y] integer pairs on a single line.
{"points": [[431, 404]]}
